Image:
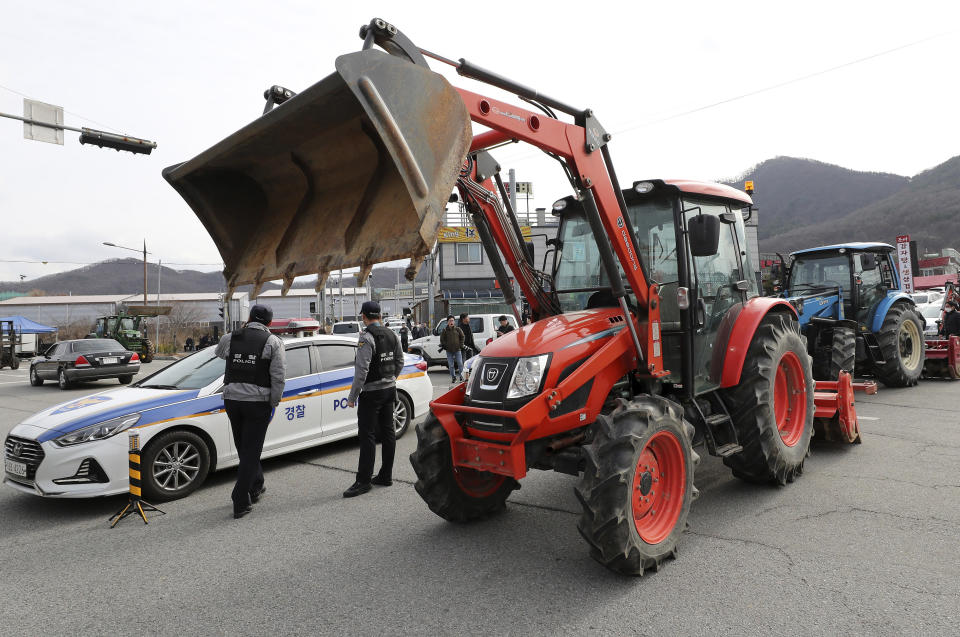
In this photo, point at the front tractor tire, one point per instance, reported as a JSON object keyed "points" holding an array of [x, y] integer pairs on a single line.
{"points": [[840, 357], [148, 351], [637, 485], [772, 407], [456, 494], [901, 342]]}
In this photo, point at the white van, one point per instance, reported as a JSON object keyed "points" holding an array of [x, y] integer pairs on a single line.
{"points": [[348, 328], [484, 327]]}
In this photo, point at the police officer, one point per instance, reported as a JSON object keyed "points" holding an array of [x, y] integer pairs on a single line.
{"points": [[253, 386], [377, 365]]}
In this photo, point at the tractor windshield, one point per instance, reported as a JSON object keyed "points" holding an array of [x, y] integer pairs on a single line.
{"points": [[580, 274], [126, 324], [811, 273]]}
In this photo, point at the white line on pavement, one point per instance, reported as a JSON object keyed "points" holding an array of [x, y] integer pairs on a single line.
{"points": [[867, 418]]}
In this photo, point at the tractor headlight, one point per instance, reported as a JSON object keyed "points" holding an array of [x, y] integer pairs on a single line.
{"points": [[527, 376], [98, 431], [468, 374]]}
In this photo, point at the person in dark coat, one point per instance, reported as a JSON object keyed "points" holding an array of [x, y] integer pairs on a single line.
{"points": [[951, 320], [404, 337], [468, 342], [504, 327]]}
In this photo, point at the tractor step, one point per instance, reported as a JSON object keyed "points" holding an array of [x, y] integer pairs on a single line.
{"points": [[719, 434], [715, 420], [728, 449]]}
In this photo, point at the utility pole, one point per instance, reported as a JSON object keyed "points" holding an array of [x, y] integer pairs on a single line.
{"points": [[144, 272]]}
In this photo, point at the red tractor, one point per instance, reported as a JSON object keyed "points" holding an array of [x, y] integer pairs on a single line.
{"points": [[650, 338]]}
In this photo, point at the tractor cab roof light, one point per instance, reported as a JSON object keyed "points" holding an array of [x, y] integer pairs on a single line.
{"points": [[559, 206], [643, 187]]}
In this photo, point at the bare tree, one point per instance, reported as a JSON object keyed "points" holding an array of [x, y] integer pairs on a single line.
{"points": [[183, 317]]}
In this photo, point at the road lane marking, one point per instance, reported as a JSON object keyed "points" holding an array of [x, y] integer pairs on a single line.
{"points": [[867, 418]]}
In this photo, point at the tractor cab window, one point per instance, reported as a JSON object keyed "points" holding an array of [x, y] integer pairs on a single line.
{"points": [[111, 325], [718, 295], [870, 286], [126, 323], [811, 274], [580, 273]]}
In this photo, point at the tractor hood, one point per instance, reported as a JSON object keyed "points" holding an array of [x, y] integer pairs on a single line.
{"points": [[556, 333], [355, 170]]}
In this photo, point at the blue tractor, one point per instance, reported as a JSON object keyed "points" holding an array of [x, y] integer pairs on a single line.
{"points": [[854, 313]]}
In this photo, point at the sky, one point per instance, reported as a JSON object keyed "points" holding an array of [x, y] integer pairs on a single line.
{"points": [[875, 90]]}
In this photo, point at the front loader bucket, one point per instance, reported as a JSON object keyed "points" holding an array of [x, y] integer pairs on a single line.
{"points": [[355, 170]]}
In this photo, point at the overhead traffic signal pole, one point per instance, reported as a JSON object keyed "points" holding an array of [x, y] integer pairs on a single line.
{"points": [[96, 137]]}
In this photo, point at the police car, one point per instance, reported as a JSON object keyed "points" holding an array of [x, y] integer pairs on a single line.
{"points": [[79, 448]]}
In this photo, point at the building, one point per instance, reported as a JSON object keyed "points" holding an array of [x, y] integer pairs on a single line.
{"points": [[61, 311], [308, 303], [947, 262], [467, 282]]}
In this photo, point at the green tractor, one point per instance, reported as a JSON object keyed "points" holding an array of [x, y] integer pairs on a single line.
{"points": [[127, 329]]}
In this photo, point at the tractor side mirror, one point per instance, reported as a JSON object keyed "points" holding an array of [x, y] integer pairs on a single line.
{"points": [[703, 234], [868, 261]]}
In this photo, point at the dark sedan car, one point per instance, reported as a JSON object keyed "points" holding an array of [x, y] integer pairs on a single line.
{"points": [[84, 359]]}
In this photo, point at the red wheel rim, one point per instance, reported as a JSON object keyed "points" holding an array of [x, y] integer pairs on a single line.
{"points": [[790, 399], [659, 484], [477, 484]]}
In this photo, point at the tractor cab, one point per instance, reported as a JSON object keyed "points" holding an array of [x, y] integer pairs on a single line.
{"points": [[864, 274], [702, 288], [127, 329], [854, 313]]}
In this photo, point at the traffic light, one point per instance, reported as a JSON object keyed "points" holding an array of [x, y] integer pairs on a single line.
{"points": [[117, 142], [220, 311], [313, 307]]}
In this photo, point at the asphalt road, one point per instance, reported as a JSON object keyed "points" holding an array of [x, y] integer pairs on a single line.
{"points": [[867, 541]]}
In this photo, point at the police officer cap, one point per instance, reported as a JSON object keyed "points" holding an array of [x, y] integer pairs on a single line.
{"points": [[370, 309], [503, 317], [952, 304], [260, 314]]}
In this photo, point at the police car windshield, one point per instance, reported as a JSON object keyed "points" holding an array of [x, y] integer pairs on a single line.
{"points": [[193, 372]]}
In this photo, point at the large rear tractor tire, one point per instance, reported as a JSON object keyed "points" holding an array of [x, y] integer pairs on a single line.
{"points": [[148, 351], [637, 485], [902, 344], [772, 407], [456, 494], [841, 357]]}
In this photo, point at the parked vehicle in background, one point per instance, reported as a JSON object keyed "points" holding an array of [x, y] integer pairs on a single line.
{"points": [[931, 314], [294, 327], [128, 330], [853, 312], [484, 327], [9, 342], [927, 296], [347, 328], [72, 450], [68, 362]]}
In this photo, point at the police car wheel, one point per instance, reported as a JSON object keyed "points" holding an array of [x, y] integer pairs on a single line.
{"points": [[174, 465], [402, 414]]}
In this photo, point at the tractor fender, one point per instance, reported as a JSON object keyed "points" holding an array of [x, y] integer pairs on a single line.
{"points": [[880, 314], [735, 349]]}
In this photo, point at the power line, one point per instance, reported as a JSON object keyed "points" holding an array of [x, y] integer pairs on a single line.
{"points": [[130, 261], [773, 87], [77, 115], [760, 90]]}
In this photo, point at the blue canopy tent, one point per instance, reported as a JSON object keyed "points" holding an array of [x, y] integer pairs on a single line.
{"points": [[24, 325]]}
